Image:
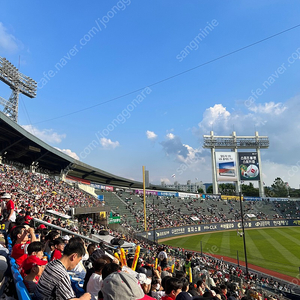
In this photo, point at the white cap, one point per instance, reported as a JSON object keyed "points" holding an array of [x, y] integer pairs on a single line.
{"points": [[66, 237], [142, 278], [6, 196]]}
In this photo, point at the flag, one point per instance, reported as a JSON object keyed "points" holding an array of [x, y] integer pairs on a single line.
{"points": [[173, 176]]}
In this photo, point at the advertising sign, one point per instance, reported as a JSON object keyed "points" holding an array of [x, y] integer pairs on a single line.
{"points": [[226, 166], [170, 232], [148, 192], [100, 197], [248, 166], [114, 220]]}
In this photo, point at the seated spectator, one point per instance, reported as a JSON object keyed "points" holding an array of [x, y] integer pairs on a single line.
{"points": [[22, 237], [59, 246], [55, 281], [51, 236], [79, 269], [33, 267], [173, 288], [121, 285], [36, 249], [145, 282], [95, 281], [184, 295]]}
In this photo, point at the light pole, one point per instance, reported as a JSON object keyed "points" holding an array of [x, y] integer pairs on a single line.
{"points": [[244, 240]]}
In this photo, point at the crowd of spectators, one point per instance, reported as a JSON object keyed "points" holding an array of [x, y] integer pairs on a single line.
{"points": [[46, 258], [164, 212]]}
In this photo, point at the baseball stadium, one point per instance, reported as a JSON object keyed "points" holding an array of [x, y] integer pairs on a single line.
{"points": [[249, 243], [86, 227]]}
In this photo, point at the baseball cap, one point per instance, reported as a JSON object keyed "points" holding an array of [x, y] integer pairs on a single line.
{"points": [[28, 218], [6, 196], [31, 261], [121, 285], [66, 237], [142, 278], [42, 226]]}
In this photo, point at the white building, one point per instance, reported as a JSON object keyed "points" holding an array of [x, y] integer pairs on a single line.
{"points": [[188, 187]]}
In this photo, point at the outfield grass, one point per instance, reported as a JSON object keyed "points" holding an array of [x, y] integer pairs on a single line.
{"points": [[276, 249]]}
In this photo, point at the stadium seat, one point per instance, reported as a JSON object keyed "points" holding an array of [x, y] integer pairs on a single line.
{"points": [[22, 291], [77, 289], [48, 256], [17, 277]]}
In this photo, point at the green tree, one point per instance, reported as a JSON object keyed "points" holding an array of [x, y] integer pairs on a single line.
{"points": [[250, 190], [209, 190], [280, 188], [227, 188], [200, 191]]}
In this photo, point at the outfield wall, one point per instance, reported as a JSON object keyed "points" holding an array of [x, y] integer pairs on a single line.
{"points": [[178, 231]]}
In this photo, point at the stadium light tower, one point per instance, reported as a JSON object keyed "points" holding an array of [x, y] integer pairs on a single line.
{"points": [[19, 83]]}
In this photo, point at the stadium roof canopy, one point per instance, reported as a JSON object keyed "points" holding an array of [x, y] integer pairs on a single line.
{"points": [[18, 145]]}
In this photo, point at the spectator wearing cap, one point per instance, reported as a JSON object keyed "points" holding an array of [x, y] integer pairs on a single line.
{"points": [[33, 267], [66, 239], [8, 209], [121, 285], [55, 281], [35, 249], [145, 282]]}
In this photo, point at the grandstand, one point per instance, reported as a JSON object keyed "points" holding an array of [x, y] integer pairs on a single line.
{"points": [[42, 178]]}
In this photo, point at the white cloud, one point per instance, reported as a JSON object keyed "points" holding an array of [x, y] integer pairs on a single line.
{"points": [[69, 152], [151, 135], [109, 144], [279, 121], [183, 153], [8, 43], [46, 135], [268, 108], [170, 136]]}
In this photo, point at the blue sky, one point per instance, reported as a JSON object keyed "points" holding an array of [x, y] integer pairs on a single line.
{"points": [[83, 55]]}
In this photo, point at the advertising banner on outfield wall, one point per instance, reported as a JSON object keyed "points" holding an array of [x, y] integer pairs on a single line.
{"points": [[248, 166], [226, 166], [141, 192], [170, 232], [226, 197]]}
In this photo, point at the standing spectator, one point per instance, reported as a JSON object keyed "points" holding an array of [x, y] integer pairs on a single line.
{"points": [[8, 209], [162, 257], [188, 264]]}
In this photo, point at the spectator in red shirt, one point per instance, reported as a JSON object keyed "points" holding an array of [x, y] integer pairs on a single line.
{"points": [[36, 249], [59, 245], [22, 237]]}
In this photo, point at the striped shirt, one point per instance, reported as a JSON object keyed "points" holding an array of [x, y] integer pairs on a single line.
{"points": [[54, 283]]}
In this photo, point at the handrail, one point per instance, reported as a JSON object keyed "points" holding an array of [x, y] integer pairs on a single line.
{"points": [[70, 232]]}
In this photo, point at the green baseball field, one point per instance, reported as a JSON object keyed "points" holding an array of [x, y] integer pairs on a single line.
{"points": [[276, 249]]}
